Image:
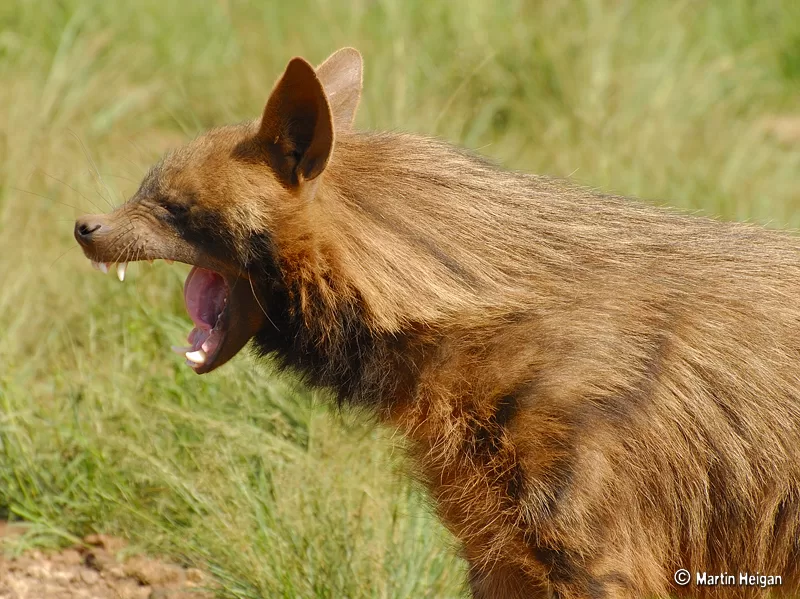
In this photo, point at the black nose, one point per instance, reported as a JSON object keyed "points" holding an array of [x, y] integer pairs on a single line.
{"points": [[84, 229]]}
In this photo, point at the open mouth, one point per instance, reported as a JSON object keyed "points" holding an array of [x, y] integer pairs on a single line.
{"points": [[224, 312], [206, 295]]}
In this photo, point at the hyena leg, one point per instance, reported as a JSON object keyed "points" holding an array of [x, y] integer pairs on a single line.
{"points": [[580, 591], [588, 585], [505, 582]]}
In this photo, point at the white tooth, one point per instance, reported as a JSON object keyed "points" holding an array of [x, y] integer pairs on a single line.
{"points": [[198, 357], [121, 268], [95, 265], [178, 349], [103, 266]]}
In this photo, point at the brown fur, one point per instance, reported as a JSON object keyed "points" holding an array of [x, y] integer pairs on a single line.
{"points": [[596, 391]]}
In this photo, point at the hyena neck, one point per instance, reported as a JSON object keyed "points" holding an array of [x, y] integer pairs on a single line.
{"points": [[317, 327], [327, 340]]}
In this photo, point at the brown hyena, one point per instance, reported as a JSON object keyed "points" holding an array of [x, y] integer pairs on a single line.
{"points": [[597, 392]]}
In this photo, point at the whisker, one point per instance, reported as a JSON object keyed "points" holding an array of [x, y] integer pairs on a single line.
{"points": [[137, 147], [123, 177], [133, 163], [123, 251], [255, 295], [138, 253], [64, 253], [97, 190], [96, 171], [46, 174], [147, 156], [119, 235], [44, 197]]}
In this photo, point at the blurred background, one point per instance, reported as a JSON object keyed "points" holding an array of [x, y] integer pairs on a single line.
{"points": [[690, 103]]}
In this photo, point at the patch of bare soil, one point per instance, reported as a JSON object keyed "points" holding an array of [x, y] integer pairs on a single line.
{"points": [[92, 571]]}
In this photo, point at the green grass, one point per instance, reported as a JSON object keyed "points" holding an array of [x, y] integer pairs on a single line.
{"points": [[242, 472]]}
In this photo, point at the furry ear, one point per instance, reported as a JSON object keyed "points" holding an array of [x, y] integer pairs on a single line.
{"points": [[341, 76], [297, 125]]}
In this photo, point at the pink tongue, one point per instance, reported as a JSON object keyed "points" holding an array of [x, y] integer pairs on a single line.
{"points": [[204, 293]]}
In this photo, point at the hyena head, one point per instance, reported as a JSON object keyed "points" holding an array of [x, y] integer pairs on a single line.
{"points": [[226, 199]]}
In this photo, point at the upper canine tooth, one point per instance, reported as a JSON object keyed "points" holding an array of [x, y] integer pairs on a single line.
{"points": [[103, 266], [95, 265], [180, 349], [198, 357], [121, 268]]}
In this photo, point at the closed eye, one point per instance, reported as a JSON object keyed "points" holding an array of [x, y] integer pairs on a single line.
{"points": [[172, 209], [176, 209]]}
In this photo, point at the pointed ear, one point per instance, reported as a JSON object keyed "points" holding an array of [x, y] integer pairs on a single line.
{"points": [[297, 125], [341, 76]]}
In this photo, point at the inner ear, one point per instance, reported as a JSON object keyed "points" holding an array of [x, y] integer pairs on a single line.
{"points": [[297, 125]]}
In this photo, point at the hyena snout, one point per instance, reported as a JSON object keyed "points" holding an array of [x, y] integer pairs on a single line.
{"points": [[88, 229]]}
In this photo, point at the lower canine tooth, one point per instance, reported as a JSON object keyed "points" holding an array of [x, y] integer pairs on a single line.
{"points": [[121, 268], [198, 357]]}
